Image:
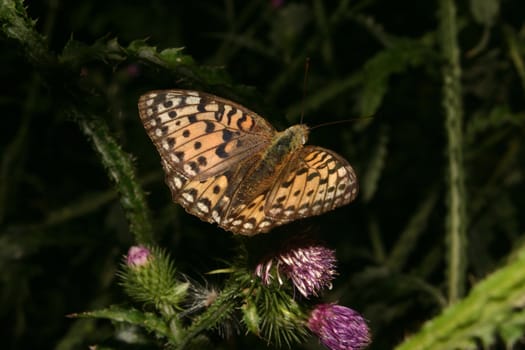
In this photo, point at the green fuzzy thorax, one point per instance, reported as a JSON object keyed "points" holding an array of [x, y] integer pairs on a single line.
{"points": [[286, 142], [272, 161]]}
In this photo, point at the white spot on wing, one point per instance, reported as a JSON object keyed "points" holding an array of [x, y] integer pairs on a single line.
{"points": [[215, 215], [187, 196], [203, 207], [274, 211], [177, 182], [188, 169], [264, 223], [192, 100]]}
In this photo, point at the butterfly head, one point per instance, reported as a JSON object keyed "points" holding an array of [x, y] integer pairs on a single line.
{"points": [[298, 135]]}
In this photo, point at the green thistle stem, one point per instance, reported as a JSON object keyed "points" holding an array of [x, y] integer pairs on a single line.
{"points": [[121, 170], [223, 306], [456, 217]]}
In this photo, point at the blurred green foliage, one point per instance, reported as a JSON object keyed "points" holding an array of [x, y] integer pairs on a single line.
{"points": [[70, 208]]}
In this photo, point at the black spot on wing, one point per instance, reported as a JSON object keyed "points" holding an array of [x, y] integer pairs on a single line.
{"points": [[179, 155], [287, 184], [240, 121], [230, 114], [202, 161], [201, 107], [227, 135], [221, 151], [312, 176], [301, 171], [220, 112], [210, 126]]}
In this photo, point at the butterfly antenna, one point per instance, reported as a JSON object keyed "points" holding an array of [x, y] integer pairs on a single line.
{"points": [[342, 121], [306, 67]]}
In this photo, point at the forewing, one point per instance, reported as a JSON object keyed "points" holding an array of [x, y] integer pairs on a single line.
{"points": [[316, 180], [200, 135]]}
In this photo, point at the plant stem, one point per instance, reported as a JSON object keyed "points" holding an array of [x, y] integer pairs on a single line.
{"points": [[220, 310], [120, 168], [456, 217], [16, 25]]}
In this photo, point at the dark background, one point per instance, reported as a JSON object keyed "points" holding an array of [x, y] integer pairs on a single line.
{"points": [[63, 232]]}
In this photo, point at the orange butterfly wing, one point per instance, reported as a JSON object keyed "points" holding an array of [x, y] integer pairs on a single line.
{"points": [[209, 146]]}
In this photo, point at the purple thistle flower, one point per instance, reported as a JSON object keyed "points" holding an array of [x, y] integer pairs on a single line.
{"points": [[339, 327], [309, 265], [137, 256]]}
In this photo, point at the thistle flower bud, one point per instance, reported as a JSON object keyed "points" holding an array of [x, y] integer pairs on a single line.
{"points": [[308, 264], [148, 275], [137, 256], [339, 327]]}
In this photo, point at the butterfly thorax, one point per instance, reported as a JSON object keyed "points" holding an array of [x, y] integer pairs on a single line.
{"points": [[272, 161]]}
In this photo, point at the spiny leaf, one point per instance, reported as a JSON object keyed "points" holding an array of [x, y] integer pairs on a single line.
{"points": [[147, 320], [494, 304], [404, 53]]}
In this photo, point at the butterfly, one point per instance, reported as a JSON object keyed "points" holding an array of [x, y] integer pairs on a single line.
{"points": [[227, 165]]}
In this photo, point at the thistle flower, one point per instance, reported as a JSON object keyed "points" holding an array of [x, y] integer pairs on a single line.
{"points": [[308, 264], [339, 327], [137, 256]]}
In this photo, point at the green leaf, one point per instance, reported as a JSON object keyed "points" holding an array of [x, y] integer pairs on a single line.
{"points": [[494, 304], [146, 320], [403, 54]]}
